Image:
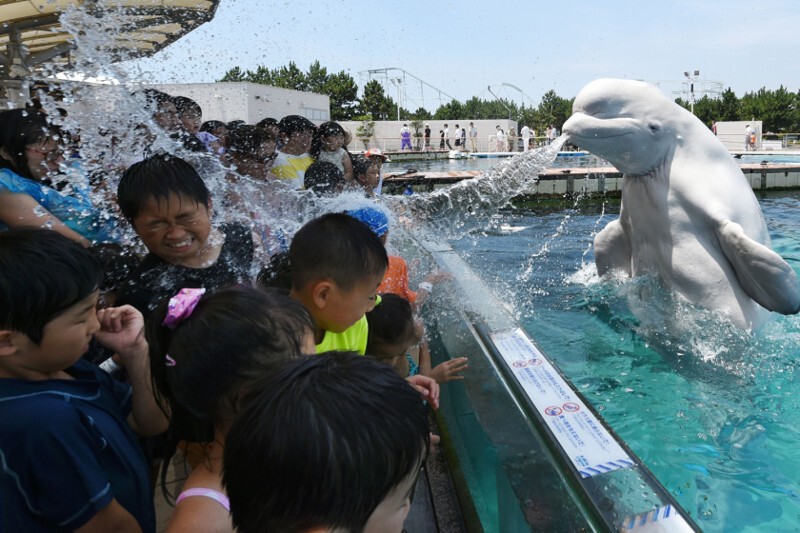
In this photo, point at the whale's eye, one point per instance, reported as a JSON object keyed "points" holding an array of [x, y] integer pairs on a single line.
{"points": [[654, 127]]}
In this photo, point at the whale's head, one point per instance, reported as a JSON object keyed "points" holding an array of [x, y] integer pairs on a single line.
{"points": [[630, 124]]}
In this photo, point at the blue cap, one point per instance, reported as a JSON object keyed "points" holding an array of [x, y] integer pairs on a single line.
{"points": [[372, 217]]}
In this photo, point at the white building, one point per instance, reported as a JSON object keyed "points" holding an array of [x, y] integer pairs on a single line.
{"points": [[251, 102]]}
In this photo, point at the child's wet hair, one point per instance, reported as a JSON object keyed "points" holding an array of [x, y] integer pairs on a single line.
{"points": [[324, 178], [233, 337], [322, 443], [20, 128], [42, 274], [158, 177], [338, 247], [391, 323]]}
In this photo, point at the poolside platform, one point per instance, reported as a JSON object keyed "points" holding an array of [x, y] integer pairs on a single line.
{"points": [[558, 181]]}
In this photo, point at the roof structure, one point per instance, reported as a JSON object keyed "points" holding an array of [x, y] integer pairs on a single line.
{"points": [[31, 31]]}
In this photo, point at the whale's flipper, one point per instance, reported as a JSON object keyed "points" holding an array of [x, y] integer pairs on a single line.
{"points": [[763, 274], [612, 249]]}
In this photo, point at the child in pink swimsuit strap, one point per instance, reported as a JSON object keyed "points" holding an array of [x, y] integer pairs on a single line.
{"points": [[205, 349]]}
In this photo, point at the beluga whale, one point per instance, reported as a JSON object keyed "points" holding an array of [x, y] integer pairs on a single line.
{"points": [[688, 216]]}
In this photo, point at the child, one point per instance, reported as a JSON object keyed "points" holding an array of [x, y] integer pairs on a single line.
{"points": [[293, 158], [329, 146], [296, 460], [190, 115], [324, 179], [366, 175], [206, 350], [393, 331], [396, 278], [337, 264], [252, 151], [30, 155], [70, 459], [169, 207]]}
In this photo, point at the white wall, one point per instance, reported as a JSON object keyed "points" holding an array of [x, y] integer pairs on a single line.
{"points": [[387, 133], [251, 102], [732, 133]]}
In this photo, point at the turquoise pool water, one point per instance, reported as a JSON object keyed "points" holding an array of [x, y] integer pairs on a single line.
{"points": [[715, 415]]}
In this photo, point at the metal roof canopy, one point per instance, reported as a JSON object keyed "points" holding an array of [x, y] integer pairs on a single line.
{"points": [[31, 33]]}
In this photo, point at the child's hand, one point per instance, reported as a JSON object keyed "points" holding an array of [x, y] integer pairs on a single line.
{"points": [[427, 387], [439, 276], [449, 370], [122, 330]]}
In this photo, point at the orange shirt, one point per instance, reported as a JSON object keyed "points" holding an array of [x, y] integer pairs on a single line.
{"points": [[395, 281]]}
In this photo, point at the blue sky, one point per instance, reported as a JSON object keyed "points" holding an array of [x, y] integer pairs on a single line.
{"points": [[462, 47]]}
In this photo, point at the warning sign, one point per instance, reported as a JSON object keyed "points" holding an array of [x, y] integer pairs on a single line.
{"points": [[589, 445]]}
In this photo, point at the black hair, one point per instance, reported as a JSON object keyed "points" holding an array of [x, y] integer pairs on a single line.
{"points": [[277, 274], [157, 177], [156, 99], [42, 274], [233, 337], [322, 443], [233, 124], [294, 123], [210, 125], [391, 322], [20, 128], [338, 247], [185, 105], [247, 139], [323, 178], [267, 122], [326, 129]]}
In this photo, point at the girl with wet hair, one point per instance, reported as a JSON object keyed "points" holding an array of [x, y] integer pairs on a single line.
{"points": [[206, 350], [31, 153], [328, 146]]}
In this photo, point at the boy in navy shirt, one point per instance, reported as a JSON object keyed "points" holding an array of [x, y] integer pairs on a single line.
{"points": [[69, 458]]}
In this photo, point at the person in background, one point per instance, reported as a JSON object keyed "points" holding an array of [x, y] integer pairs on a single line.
{"points": [[30, 155], [447, 137], [464, 139], [329, 146], [526, 138], [441, 139], [405, 138], [512, 139], [252, 151], [293, 158], [190, 115], [324, 179], [500, 139], [427, 136], [366, 175], [378, 158], [473, 137]]}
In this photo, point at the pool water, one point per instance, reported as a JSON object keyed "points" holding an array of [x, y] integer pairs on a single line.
{"points": [[715, 415]]}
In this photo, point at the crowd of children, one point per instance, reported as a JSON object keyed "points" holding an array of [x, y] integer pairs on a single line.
{"points": [[255, 380]]}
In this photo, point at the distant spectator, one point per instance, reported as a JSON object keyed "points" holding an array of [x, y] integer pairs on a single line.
{"points": [[427, 136], [405, 138], [324, 178], [252, 151], [329, 146], [473, 137], [294, 158]]}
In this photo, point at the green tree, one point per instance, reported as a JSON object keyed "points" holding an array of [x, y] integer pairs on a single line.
{"points": [[234, 74], [341, 88], [728, 106], [375, 103], [553, 110], [452, 110]]}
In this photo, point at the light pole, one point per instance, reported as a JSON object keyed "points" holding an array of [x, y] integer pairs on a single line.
{"points": [[692, 78], [398, 82]]}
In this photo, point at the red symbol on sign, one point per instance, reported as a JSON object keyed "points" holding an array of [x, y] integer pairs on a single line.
{"points": [[553, 410], [571, 407], [534, 362], [519, 364]]}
